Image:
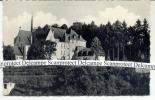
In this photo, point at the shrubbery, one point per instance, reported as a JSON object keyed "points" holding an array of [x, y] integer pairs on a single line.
{"points": [[68, 80]]}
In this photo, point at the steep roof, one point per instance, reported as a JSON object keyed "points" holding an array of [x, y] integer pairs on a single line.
{"points": [[79, 37], [18, 51], [58, 33], [23, 37], [63, 36], [73, 32]]}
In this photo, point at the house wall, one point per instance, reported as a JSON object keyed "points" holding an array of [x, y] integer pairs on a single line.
{"points": [[26, 48], [50, 36], [85, 58], [74, 44], [8, 88], [66, 49], [19, 57], [101, 58]]}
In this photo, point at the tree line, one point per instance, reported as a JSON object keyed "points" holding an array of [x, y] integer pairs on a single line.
{"points": [[118, 40]]}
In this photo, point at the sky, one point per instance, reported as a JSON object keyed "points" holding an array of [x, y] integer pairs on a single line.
{"points": [[18, 13]]}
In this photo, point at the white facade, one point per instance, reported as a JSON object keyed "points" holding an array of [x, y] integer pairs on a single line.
{"points": [[18, 57], [64, 50], [26, 48], [50, 36], [8, 88], [101, 58]]}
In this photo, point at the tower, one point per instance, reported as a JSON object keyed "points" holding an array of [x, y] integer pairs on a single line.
{"points": [[31, 23], [31, 29]]}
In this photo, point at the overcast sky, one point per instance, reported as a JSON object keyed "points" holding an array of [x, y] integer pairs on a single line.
{"points": [[18, 14]]}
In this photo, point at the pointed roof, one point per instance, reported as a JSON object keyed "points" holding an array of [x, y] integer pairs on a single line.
{"points": [[24, 37], [18, 51], [61, 35], [50, 36], [58, 33]]}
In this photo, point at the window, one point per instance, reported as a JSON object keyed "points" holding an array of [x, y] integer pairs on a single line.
{"points": [[90, 53], [5, 86], [85, 53], [80, 54]]}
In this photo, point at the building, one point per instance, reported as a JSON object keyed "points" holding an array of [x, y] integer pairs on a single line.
{"points": [[22, 43], [65, 42], [8, 87], [100, 55], [83, 53]]}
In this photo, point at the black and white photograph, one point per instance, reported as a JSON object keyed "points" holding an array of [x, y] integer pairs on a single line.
{"points": [[101, 30]]}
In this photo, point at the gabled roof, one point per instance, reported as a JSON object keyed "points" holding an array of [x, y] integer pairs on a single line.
{"points": [[18, 51], [24, 36], [79, 37], [72, 32], [63, 36], [58, 33], [50, 36]]}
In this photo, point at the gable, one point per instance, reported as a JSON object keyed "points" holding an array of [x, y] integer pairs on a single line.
{"points": [[23, 38]]}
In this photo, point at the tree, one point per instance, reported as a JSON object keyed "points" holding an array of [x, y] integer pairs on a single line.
{"points": [[109, 41], [96, 46], [41, 33], [77, 26], [41, 50], [46, 28], [55, 25], [8, 53], [64, 26], [146, 40], [118, 37]]}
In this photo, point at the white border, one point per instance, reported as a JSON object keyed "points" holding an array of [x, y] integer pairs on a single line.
{"points": [[152, 85]]}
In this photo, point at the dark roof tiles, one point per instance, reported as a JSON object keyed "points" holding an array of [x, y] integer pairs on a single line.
{"points": [[24, 37]]}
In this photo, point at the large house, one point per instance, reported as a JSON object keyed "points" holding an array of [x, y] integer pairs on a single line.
{"points": [[65, 42]]}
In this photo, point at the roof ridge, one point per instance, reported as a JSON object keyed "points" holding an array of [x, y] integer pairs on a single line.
{"points": [[58, 28]]}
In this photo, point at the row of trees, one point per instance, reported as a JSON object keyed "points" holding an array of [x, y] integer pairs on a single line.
{"points": [[71, 80], [8, 53], [120, 41], [41, 50]]}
